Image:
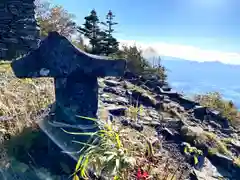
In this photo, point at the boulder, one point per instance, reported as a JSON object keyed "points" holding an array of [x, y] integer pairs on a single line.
{"points": [[117, 110], [144, 98], [121, 101], [226, 163], [166, 88], [113, 90], [187, 103], [200, 112], [136, 126], [16, 28], [208, 172], [190, 133], [111, 83]]}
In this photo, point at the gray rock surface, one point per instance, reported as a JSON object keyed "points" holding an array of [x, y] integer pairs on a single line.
{"points": [[75, 76], [19, 33]]}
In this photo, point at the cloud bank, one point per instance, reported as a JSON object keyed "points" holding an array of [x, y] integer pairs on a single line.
{"points": [[185, 52]]}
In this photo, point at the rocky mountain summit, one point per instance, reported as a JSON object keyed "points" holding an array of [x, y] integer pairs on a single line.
{"points": [[169, 122], [173, 120], [153, 131]]}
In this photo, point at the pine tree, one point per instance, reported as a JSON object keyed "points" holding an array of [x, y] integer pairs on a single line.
{"points": [[110, 44], [92, 31]]}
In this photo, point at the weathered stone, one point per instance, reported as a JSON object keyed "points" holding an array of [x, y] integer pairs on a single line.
{"points": [[190, 133], [236, 144], [113, 90], [111, 83], [14, 17], [144, 98], [166, 88], [129, 75], [117, 110], [76, 88], [187, 103], [125, 122], [167, 133], [137, 126], [215, 124], [171, 94], [200, 112], [224, 161], [208, 172], [159, 97], [121, 101]]}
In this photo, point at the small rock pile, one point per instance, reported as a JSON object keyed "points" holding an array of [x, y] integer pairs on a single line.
{"points": [[19, 33]]}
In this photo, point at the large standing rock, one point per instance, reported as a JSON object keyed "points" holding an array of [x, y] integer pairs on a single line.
{"points": [[75, 76], [19, 33], [208, 172]]}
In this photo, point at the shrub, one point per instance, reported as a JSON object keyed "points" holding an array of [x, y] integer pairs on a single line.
{"points": [[215, 101], [137, 64]]}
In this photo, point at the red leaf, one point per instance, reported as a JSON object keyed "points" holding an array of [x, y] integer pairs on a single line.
{"points": [[141, 175]]}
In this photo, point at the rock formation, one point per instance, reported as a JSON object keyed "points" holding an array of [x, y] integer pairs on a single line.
{"points": [[75, 76], [19, 33]]}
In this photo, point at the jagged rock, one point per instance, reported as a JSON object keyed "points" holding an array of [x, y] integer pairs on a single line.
{"points": [[19, 34], [105, 96], [111, 83], [117, 110], [236, 144], [173, 123], [147, 118], [226, 163], [144, 98], [137, 126], [166, 99], [166, 88], [145, 87], [121, 100], [190, 133], [156, 143], [215, 124], [227, 131], [208, 172], [172, 95], [153, 114], [167, 133], [112, 90], [125, 122], [129, 75], [200, 112], [187, 103], [159, 97]]}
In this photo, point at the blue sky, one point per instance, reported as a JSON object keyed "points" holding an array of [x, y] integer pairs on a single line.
{"points": [[204, 27]]}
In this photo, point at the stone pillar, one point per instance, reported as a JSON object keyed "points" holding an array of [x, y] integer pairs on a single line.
{"points": [[19, 32]]}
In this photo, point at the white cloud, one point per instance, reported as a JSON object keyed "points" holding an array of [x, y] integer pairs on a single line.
{"points": [[188, 52]]}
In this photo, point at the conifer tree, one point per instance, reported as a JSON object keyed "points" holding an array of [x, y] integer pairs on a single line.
{"points": [[92, 31], [110, 44]]}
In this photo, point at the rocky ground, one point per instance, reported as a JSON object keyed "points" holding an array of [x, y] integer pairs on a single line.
{"points": [[173, 119], [166, 120]]}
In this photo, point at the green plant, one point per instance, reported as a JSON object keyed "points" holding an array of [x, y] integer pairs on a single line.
{"points": [[215, 101], [134, 111], [218, 144], [105, 155], [212, 151], [237, 161], [192, 150]]}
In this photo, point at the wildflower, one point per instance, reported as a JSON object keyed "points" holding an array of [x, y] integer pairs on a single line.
{"points": [[141, 175]]}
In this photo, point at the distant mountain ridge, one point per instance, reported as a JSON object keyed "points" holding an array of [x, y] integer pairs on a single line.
{"points": [[193, 77]]}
